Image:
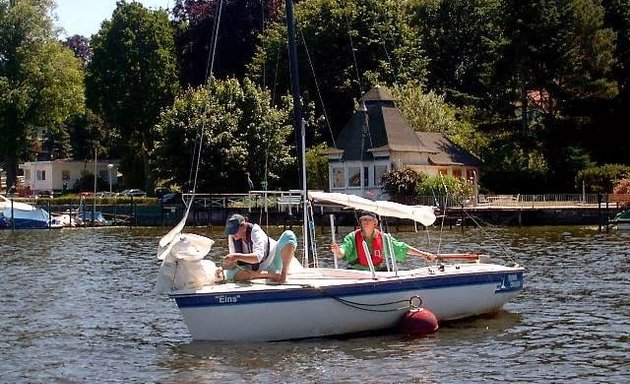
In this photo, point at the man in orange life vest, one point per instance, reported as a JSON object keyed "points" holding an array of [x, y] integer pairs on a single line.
{"points": [[351, 249]]}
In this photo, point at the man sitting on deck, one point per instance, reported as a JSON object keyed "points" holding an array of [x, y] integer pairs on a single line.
{"points": [[253, 254]]}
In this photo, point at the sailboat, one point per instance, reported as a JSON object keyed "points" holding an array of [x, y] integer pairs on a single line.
{"points": [[322, 302], [18, 215]]}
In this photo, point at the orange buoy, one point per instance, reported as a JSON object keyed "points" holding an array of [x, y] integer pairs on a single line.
{"points": [[418, 322]]}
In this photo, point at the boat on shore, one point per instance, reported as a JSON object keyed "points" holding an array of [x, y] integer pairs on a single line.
{"points": [[621, 220], [17, 215]]}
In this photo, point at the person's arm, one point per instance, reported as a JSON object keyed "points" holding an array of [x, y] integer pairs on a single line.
{"points": [[248, 258], [402, 249], [233, 256], [428, 256], [336, 250], [231, 248], [260, 242], [347, 249]]}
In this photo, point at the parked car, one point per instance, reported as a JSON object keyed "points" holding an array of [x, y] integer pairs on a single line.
{"points": [[133, 192], [102, 195], [171, 198]]}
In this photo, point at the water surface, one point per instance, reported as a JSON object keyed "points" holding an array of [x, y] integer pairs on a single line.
{"points": [[78, 307]]}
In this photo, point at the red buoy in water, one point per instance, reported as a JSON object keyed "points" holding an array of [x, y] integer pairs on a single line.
{"points": [[418, 322]]}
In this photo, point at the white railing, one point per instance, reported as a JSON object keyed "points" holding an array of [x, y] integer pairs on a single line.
{"points": [[291, 200]]}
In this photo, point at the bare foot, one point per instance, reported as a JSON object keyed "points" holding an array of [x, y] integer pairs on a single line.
{"points": [[274, 277]]}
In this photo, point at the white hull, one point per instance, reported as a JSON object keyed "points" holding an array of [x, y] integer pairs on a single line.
{"points": [[327, 302], [623, 225], [24, 216]]}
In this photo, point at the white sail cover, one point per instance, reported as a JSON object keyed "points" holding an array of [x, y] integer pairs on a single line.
{"points": [[183, 266], [6, 204], [423, 214]]}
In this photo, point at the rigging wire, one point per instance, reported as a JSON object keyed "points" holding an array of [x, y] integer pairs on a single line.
{"points": [[354, 57], [213, 42], [366, 126], [380, 35], [319, 93], [196, 158], [262, 31]]}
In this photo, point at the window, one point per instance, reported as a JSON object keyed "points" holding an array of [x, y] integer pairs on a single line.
{"points": [[354, 177], [457, 173], [65, 175], [337, 177], [41, 175], [470, 175], [443, 171]]}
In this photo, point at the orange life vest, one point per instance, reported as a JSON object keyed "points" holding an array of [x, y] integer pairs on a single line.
{"points": [[377, 248]]}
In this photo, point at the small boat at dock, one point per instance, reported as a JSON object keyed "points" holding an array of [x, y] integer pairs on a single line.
{"points": [[621, 221], [18, 215]]}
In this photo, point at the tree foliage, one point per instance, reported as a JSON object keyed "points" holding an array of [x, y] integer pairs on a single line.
{"points": [[602, 179], [241, 133], [462, 39], [239, 26], [622, 187], [400, 184], [41, 82], [80, 45], [345, 48], [444, 186], [317, 168], [131, 77]]}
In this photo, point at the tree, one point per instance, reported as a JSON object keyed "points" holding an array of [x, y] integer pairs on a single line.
{"points": [[429, 112], [80, 45], [602, 179], [239, 26], [241, 133], [131, 77], [345, 48], [462, 39], [41, 82], [317, 168]]}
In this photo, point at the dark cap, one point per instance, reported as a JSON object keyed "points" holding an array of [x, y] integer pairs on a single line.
{"points": [[233, 223], [366, 215]]}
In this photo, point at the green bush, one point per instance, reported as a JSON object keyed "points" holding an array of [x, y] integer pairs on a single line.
{"points": [[400, 184], [445, 186], [601, 179]]}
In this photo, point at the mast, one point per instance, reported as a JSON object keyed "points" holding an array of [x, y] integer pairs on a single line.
{"points": [[297, 118], [295, 79]]}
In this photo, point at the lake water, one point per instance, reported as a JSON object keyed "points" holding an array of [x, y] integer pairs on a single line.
{"points": [[78, 306]]}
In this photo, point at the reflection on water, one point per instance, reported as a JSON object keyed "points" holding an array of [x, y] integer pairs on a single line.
{"points": [[78, 306]]}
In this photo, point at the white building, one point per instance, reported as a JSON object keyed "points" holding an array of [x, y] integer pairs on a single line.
{"points": [[57, 175], [377, 139]]}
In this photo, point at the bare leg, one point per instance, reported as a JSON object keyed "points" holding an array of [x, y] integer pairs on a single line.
{"points": [[247, 275], [287, 254]]}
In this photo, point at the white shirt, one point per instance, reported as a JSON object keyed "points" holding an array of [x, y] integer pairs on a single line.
{"points": [[259, 244]]}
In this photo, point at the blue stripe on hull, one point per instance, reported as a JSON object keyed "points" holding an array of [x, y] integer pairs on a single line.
{"points": [[505, 281], [24, 224]]}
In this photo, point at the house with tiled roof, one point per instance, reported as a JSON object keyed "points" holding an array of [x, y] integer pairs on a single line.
{"points": [[377, 138]]}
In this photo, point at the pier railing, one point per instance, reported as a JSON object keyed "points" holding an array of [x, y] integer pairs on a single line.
{"points": [[289, 201]]}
